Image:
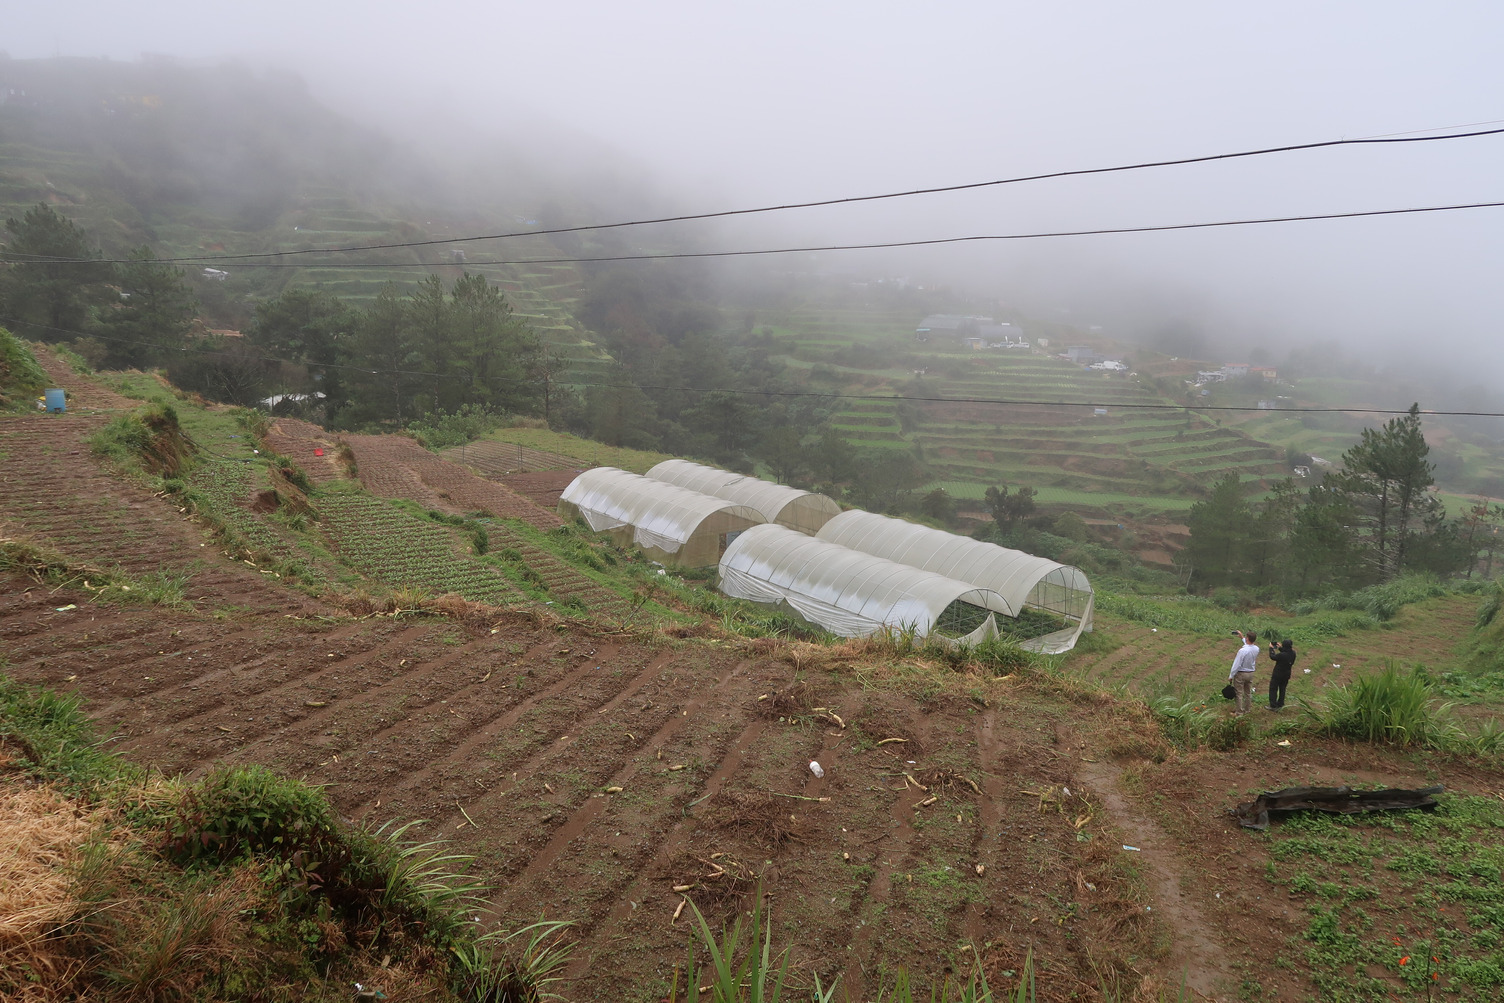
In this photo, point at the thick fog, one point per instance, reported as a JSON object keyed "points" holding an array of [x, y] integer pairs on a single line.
{"points": [[693, 106]]}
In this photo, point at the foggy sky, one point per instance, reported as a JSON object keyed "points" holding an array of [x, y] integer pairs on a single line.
{"points": [[739, 104]]}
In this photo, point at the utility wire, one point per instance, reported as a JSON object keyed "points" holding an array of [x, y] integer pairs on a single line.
{"points": [[848, 200], [976, 238], [745, 392]]}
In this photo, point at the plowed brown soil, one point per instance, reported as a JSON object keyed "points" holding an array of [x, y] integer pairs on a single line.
{"points": [[499, 459], [592, 775], [397, 467], [542, 488], [315, 451]]}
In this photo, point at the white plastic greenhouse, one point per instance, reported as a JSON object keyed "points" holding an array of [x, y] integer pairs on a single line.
{"points": [[805, 511], [671, 524], [1022, 580], [851, 593]]}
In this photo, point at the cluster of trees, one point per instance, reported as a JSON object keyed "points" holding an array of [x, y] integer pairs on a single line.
{"points": [[433, 350], [55, 287], [1370, 520]]}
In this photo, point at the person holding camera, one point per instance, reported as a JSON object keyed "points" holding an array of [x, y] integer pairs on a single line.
{"points": [[1240, 678], [1283, 658]]}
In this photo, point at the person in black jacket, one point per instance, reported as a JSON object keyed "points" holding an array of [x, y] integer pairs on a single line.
{"points": [[1283, 657]]}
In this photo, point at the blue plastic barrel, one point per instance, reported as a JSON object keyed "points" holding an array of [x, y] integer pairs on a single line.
{"points": [[56, 401]]}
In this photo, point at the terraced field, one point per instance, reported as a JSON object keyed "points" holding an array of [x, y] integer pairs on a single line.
{"points": [[496, 459], [397, 467], [1074, 455], [55, 493], [399, 549]]}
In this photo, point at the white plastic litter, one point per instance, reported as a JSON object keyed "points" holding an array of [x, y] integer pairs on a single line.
{"points": [[816, 768], [1133, 848], [1067, 791]]}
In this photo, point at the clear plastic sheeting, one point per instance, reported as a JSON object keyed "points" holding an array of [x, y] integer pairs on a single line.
{"points": [[805, 511], [1022, 580], [851, 593], [672, 524]]}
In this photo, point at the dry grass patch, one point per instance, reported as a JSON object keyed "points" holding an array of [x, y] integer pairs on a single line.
{"points": [[42, 838]]}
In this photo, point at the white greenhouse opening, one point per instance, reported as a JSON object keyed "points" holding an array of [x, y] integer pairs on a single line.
{"points": [[671, 524], [805, 511], [854, 594], [1049, 602]]}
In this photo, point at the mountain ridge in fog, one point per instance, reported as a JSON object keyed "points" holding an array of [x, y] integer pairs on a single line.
{"points": [[149, 152]]}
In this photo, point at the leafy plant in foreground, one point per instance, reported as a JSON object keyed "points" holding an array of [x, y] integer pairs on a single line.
{"points": [[1392, 706]]}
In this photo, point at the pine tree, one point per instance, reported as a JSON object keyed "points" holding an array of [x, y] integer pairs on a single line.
{"points": [[1220, 525], [1386, 476], [52, 279]]}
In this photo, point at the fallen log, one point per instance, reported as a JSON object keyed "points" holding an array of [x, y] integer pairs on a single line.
{"points": [[1255, 814]]}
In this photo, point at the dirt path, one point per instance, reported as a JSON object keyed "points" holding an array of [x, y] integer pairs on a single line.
{"points": [[83, 393], [1194, 947]]}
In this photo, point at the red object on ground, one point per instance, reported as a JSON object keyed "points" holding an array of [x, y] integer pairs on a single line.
{"points": [[318, 451]]}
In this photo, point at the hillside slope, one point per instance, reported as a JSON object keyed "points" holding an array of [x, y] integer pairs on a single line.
{"points": [[602, 771]]}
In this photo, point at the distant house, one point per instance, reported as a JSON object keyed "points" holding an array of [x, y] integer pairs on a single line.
{"points": [[1109, 366], [999, 332], [1235, 370], [215, 274], [1266, 372], [1082, 354], [944, 325], [1098, 411], [958, 328], [976, 344], [1301, 470]]}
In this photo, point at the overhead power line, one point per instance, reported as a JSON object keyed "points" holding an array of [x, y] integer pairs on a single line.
{"points": [[881, 245], [847, 200], [745, 392]]}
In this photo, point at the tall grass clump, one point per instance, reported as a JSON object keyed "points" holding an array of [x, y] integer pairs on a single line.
{"points": [[743, 967], [1392, 707], [1489, 608], [1003, 655], [52, 733], [1192, 723]]}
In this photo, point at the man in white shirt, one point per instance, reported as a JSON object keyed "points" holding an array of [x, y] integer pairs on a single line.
{"points": [[1241, 676]]}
